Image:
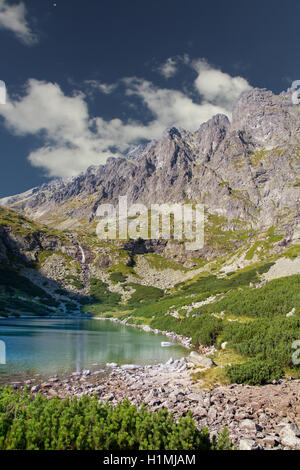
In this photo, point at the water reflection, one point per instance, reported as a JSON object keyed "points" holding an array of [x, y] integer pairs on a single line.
{"points": [[49, 346]]}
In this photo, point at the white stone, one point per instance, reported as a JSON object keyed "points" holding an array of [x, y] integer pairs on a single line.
{"points": [[130, 367], [290, 436], [113, 365], [247, 444]]}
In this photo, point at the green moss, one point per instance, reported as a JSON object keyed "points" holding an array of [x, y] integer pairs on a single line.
{"points": [[76, 282], [222, 239], [117, 277], [292, 252], [122, 268], [160, 263], [258, 156]]}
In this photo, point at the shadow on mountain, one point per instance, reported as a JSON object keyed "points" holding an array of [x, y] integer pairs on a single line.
{"points": [[21, 295]]}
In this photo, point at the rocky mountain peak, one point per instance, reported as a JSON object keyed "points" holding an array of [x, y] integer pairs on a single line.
{"points": [[245, 170], [268, 118], [210, 135]]}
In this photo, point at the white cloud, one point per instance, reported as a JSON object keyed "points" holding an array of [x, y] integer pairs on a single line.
{"points": [[64, 123], [169, 68], [217, 86], [73, 140], [13, 18], [105, 88], [172, 107]]}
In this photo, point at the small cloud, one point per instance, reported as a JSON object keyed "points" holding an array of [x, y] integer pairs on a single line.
{"points": [[169, 68], [105, 88], [13, 18]]}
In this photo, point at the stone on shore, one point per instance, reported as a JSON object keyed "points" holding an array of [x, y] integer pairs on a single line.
{"points": [[146, 328], [201, 361], [130, 367]]}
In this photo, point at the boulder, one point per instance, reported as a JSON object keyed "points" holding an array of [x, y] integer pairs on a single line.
{"points": [[201, 361], [248, 425], [247, 444], [170, 361], [290, 436], [130, 367], [291, 313], [112, 365], [146, 328]]}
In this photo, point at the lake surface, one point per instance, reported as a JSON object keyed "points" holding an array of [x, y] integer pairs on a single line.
{"points": [[60, 346]]}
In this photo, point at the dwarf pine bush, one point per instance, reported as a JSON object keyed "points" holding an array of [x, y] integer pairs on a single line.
{"points": [[28, 423]]}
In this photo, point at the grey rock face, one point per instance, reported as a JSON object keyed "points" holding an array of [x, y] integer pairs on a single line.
{"points": [[210, 135], [245, 170], [267, 118], [201, 361]]}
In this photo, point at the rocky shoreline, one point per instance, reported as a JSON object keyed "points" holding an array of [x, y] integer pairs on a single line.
{"points": [[184, 341], [260, 417]]}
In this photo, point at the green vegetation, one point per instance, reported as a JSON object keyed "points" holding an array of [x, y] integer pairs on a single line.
{"points": [[292, 252], [223, 240], [255, 372], [144, 295], [258, 156], [122, 268], [19, 295], [263, 340], [99, 291], [118, 277], [252, 320], [160, 263], [278, 297], [76, 282], [28, 423], [10, 281], [242, 318], [21, 225], [262, 246]]}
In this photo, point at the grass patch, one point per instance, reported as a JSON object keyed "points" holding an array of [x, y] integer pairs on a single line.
{"points": [[160, 263], [117, 277]]}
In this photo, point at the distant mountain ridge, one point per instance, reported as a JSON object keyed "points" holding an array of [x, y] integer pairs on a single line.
{"points": [[246, 170]]}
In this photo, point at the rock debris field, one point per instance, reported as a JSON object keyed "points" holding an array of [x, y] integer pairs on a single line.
{"points": [[260, 417]]}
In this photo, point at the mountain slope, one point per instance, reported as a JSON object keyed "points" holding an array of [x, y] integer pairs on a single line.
{"points": [[247, 170]]}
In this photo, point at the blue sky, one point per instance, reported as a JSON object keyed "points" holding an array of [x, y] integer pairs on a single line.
{"points": [[90, 79]]}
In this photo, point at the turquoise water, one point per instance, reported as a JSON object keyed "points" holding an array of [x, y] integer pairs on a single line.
{"points": [[59, 346]]}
